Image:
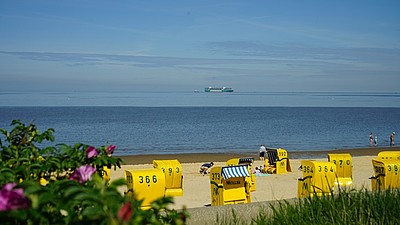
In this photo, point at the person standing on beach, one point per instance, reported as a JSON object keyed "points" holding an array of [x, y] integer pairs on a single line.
{"points": [[392, 138], [376, 141], [371, 139], [262, 152]]}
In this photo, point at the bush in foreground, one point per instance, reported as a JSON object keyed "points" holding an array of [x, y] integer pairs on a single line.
{"points": [[64, 184]]}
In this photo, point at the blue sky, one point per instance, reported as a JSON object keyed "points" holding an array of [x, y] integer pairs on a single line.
{"points": [[268, 45]]}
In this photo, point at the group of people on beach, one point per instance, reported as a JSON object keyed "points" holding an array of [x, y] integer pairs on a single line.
{"points": [[373, 140], [206, 167]]}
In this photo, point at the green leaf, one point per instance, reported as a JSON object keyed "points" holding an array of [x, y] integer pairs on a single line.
{"points": [[4, 132], [88, 197], [118, 182], [93, 212], [6, 171], [72, 192], [7, 175], [31, 187]]}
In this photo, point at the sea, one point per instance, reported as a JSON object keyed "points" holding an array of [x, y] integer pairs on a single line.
{"points": [[190, 122]]}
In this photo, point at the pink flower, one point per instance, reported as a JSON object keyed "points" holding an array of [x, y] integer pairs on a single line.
{"points": [[83, 174], [110, 149], [11, 198], [125, 212], [91, 152]]}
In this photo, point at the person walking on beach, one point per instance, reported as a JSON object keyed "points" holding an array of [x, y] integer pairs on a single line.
{"points": [[376, 141], [392, 138], [262, 152], [371, 139]]}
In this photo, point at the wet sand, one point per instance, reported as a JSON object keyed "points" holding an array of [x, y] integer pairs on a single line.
{"points": [[223, 157]]}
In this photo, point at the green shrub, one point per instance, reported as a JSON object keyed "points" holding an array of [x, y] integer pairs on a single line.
{"points": [[63, 184]]}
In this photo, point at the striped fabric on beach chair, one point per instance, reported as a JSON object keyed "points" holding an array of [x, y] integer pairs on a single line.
{"points": [[235, 171]]}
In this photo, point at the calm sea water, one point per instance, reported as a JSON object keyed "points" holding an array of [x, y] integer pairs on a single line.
{"points": [[169, 130], [237, 98]]}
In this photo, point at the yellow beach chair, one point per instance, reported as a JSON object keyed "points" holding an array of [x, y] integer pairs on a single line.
{"points": [[277, 161], [245, 161], [145, 184], [344, 168], [318, 178], [229, 186], [106, 174], [172, 170], [387, 174], [395, 155]]}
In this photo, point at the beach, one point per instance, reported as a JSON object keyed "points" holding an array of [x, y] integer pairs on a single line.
{"points": [[269, 188]]}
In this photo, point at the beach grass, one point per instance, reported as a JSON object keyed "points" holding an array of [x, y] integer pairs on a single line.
{"points": [[345, 207]]}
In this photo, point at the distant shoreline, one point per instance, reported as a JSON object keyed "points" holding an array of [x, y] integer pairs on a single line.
{"points": [[222, 157]]}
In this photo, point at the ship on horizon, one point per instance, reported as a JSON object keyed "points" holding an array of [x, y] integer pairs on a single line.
{"points": [[218, 89]]}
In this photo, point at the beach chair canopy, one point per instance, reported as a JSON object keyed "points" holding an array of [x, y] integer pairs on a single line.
{"points": [[272, 155], [246, 160], [235, 171]]}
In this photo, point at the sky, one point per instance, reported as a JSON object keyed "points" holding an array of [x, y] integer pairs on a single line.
{"points": [[251, 46]]}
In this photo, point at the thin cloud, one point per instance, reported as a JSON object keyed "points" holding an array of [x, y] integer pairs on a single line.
{"points": [[241, 57], [151, 61], [351, 55]]}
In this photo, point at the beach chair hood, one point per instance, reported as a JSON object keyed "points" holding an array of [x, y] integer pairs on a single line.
{"points": [[235, 171], [246, 160]]}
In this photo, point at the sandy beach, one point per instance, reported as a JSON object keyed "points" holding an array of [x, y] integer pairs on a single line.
{"points": [[268, 188]]}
